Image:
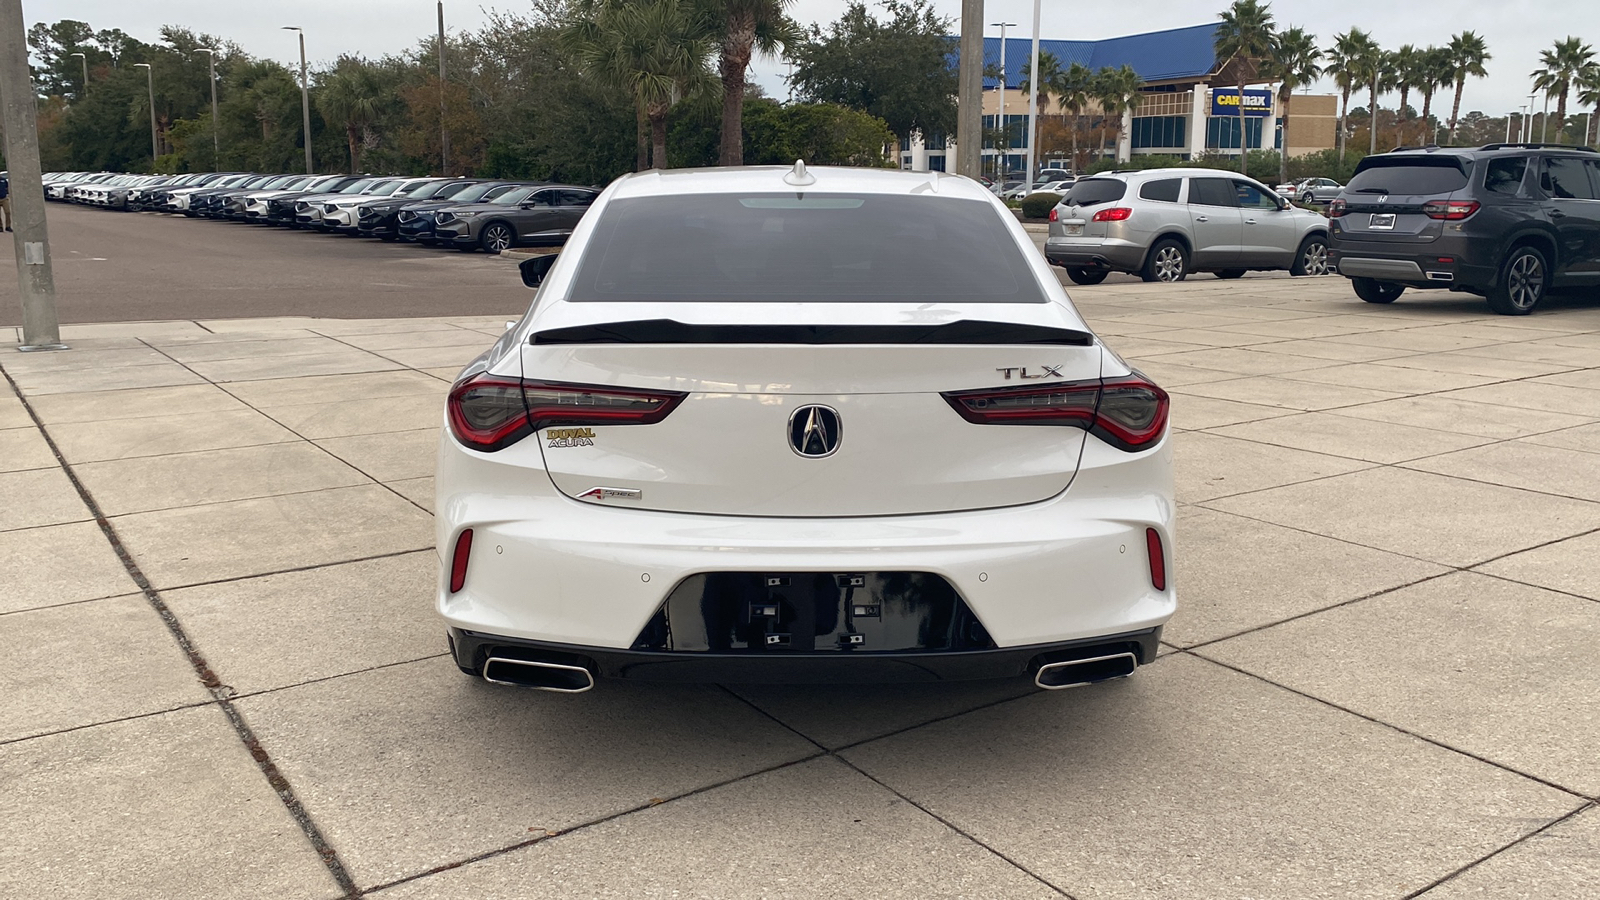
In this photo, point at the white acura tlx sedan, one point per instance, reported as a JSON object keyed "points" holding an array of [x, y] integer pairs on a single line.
{"points": [[772, 424]]}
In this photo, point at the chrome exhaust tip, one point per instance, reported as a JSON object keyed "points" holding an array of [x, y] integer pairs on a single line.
{"points": [[1072, 673], [541, 676]]}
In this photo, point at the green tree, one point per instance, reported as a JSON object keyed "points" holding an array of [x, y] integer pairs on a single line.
{"points": [[1117, 90], [654, 51], [1434, 71], [1049, 77], [897, 68], [1589, 95], [1072, 92], [746, 26], [1344, 65], [1560, 68], [1468, 53], [348, 98], [1245, 39], [1376, 67], [1294, 64], [1407, 65]]}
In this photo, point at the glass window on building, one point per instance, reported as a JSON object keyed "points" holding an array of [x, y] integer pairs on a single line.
{"points": [[1159, 131], [1222, 132]]}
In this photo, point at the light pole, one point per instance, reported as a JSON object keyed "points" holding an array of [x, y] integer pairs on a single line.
{"points": [[1002, 143], [1528, 137], [216, 144], [150, 77], [305, 94], [1544, 121], [444, 133], [85, 89], [1508, 125], [1033, 101], [19, 116]]}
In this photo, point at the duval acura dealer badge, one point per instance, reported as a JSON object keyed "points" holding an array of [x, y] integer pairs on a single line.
{"points": [[569, 437]]}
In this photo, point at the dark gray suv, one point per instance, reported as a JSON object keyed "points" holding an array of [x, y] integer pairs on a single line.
{"points": [[1507, 221]]}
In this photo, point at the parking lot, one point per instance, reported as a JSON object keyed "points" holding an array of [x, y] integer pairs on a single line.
{"points": [[224, 677]]}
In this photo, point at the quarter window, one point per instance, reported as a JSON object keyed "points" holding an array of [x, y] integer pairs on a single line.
{"points": [[1165, 190], [1566, 178], [1504, 175]]}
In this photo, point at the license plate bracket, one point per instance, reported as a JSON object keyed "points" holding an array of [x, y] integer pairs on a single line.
{"points": [[1381, 222], [1074, 229]]}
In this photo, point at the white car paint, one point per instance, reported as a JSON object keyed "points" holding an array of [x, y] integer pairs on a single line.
{"points": [[1041, 530]]}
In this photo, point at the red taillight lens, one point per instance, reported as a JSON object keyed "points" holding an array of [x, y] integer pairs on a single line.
{"points": [[1452, 210], [1054, 216], [458, 562], [1337, 208], [488, 412], [1128, 413], [1158, 559], [1114, 214]]}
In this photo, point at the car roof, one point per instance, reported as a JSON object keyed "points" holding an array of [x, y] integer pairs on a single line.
{"points": [[826, 179]]}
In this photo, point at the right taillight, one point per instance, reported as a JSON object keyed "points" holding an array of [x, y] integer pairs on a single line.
{"points": [[1337, 208], [1451, 210], [488, 412], [1128, 413]]}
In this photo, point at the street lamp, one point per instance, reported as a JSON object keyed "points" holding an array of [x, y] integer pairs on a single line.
{"points": [[1003, 143], [444, 132], [150, 77], [305, 94], [85, 89], [211, 63]]}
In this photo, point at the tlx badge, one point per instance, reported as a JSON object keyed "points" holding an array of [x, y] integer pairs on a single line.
{"points": [[1022, 372]]}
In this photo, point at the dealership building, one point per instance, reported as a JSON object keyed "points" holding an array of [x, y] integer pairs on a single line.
{"points": [[1188, 106]]}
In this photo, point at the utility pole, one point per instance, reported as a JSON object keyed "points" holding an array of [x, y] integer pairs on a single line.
{"points": [[1034, 84], [969, 100], [444, 132], [155, 143], [1003, 141], [36, 284], [83, 91], [216, 143], [1544, 121], [305, 95]]}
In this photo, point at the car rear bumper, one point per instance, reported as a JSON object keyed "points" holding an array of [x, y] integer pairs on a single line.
{"points": [[1443, 263], [473, 649], [547, 568], [1101, 254]]}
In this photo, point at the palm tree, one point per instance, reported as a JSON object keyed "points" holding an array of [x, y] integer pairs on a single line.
{"points": [[1245, 37], [1589, 95], [1294, 64], [1468, 53], [1118, 92], [1434, 71], [1407, 64], [348, 97], [746, 26], [1072, 91], [1049, 76], [655, 50], [1345, 67], [1376, 65], [1561, 67]]}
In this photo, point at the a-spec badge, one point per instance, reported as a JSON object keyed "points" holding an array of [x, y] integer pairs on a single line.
{"points": [[1023, 373], [607, 493], [569, 437]]}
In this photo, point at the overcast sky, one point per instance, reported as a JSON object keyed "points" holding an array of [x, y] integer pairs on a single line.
{"points": [[1515, 29]]}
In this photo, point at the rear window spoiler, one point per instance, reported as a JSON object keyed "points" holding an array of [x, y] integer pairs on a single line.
{"points": [[667, 331]]}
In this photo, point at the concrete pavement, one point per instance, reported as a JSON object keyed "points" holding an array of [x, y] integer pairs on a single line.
{"points": [[225, 678]]}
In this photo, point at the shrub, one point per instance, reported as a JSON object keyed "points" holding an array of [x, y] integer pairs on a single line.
{"points": [[1038, 204]]}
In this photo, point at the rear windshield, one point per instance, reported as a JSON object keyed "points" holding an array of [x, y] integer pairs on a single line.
{"points": [[803, 247], [1408, 175], [1090, 191]]}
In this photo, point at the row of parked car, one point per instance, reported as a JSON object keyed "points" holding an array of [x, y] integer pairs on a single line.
{"points": [[465, 213]]}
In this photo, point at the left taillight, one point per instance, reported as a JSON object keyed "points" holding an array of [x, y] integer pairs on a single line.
{"points": [[1128, 413], [489, 412]]}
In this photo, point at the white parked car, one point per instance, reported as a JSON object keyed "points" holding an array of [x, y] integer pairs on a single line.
{"points": [[771, 424]]}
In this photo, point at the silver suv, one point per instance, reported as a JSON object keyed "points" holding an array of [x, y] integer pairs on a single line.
{"points": [[1165, 223]]}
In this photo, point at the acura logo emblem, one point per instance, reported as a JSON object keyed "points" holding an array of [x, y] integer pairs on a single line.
{"points": [[814, 431]]}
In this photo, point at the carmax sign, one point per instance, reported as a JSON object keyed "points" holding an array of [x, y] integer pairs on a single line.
{"points": [[1225, 102]]}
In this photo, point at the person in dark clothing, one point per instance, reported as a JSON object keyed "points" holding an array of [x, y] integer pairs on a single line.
{"points": [[5, 202]]}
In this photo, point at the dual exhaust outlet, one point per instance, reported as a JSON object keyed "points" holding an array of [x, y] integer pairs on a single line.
{"points": [[568, 679]]}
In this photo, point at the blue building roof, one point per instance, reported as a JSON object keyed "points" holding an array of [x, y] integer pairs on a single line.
{"points": [[1156, 55]]}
